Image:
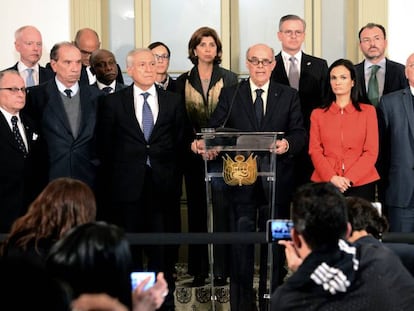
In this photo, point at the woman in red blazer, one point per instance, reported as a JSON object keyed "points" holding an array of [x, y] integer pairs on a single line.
{"points": [[344, 136]]}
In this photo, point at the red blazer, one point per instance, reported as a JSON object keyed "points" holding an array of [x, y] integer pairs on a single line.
{"points": [[344, 142]]}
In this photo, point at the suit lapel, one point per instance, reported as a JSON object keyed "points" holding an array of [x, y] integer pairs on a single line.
{"points": [[6, 132], [271, 103], [128, 107], [408, 106], [246, 103]]}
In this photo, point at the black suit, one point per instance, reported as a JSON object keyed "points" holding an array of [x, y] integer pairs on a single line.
{"points": [[45, 74], [68, 156], [282, 115], [313, 87], [138, 196], [20, 182], [394, 79]]}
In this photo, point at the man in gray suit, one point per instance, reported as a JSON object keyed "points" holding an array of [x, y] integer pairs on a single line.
{"points": [[65, 111], [396, 121]]}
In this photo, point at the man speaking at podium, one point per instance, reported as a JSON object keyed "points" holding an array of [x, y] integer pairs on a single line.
{"points": [[259, 105]]}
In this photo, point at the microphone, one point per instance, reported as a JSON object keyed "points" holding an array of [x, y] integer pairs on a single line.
{"points": [[222, 128]]}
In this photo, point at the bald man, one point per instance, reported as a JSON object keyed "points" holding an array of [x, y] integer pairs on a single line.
{"points": [[87, 41], [28, 43]]}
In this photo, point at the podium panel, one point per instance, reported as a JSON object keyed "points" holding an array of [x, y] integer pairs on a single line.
{"points": [[240, 173]]}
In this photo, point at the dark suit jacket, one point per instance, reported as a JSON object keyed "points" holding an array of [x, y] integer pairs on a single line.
{"points": [[84, 75], [123, 149], [19, 181], [394, 79], [313, 82], [45, 74], [68, 156], [396, 122], [282, 114]]}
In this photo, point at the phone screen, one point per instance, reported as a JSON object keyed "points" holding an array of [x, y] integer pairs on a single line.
{"points": [[278, 229], [138, 277]]}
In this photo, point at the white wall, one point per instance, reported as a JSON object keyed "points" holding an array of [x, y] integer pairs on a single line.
{"points": [[400, 30], [51, 17]]}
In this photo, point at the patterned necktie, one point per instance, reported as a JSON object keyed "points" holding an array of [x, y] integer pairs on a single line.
{"points": [[29, 79], [147, 117], [258, 106], [293, 73], [68, 93], [373, 91], [107, 90], [17, 135]]}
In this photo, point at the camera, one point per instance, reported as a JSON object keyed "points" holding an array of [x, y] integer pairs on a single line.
{"points": [[138, 277], [278, 229]]}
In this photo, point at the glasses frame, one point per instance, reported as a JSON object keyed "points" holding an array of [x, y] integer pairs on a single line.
{"points": [[163, 57], [256, 62], [14, 89]]}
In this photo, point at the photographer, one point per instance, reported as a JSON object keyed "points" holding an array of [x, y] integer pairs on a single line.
{"points": [[330, 274]]}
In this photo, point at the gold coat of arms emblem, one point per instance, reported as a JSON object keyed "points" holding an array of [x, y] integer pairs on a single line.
{"points": [[239, 171]]}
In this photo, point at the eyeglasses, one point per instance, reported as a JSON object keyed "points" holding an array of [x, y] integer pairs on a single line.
{"points": [[290, 33], [256, 62], [162, 57], [14, 89]]}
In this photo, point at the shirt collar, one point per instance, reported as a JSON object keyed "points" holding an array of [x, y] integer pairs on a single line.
{"points": [[102, 85], [22, 67], [151, 90], [368, 64], [62, 88], [286, 56]]}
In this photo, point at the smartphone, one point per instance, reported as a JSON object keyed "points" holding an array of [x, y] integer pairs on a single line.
{"points": [[138, 277], [278, 229]]}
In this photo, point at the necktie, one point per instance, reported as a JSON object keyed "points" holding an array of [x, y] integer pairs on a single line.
{"points": [[29, 79], [147, 117], [293, 73], [68, 93], [107, 90], [373, 91], [17, 135], [258, 106]]}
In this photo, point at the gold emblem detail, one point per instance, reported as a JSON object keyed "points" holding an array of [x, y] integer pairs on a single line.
{"points": [[240, 171]]}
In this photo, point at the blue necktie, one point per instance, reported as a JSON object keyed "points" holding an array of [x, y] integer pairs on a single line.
{"points": [[29, 80], [107, 90], [147, 117], [17, 134], [258, 106]]}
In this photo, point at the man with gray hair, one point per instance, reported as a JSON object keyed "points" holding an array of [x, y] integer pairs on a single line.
{"points": [[28, 43], [66, 114], [142, 131]]}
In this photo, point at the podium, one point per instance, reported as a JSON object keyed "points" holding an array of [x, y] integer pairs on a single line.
{"points": [[243, 162]]}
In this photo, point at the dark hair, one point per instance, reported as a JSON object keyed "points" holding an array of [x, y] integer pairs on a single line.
{"points": [[153, 45], [354, 90], [291, 17], [370, 26], [63, 204], [195, 40], [54, 52], [363, 216], [93, 258], [319, 215]]}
